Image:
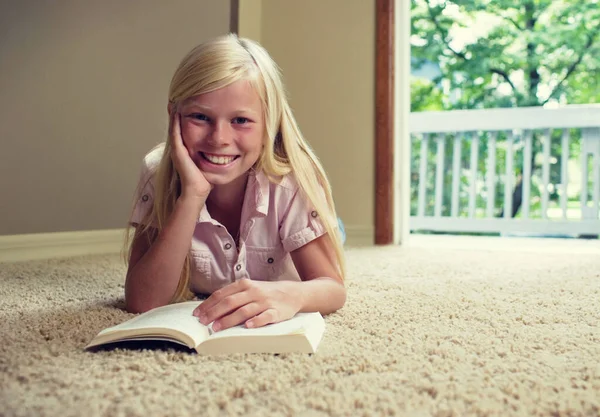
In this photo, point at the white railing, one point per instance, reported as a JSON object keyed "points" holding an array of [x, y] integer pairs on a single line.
{"points": [[507, 131]]}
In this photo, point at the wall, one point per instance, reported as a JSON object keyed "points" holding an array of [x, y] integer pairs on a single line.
{"points": [[82, 97], [326, 50]]}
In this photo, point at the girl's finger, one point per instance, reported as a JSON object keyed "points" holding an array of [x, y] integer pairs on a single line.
{"points": [[171, 115], [266, 317], [239, 316], [220, 294], [224, 305], [175, 130]]}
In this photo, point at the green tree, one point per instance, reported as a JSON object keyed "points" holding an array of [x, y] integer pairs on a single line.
{"points": [[510, 54]]}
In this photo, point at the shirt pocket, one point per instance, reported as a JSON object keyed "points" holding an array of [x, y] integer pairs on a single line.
{"points": [[264, 264], [201, 271]]}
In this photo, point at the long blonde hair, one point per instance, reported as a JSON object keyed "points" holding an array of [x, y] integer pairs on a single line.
{"points": [[216, 64]]}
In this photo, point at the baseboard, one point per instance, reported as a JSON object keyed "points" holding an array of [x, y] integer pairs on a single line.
{"points": [[61, 244], [14, 248], [359, 235]]}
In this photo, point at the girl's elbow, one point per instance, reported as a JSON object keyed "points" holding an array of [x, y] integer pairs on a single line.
{"points": [[340, 298], [136, 304], [343, 297]]}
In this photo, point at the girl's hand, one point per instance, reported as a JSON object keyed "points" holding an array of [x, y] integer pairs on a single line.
{"points": [[255, 303], [193, 181]]}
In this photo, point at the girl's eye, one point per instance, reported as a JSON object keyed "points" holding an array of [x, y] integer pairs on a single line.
{"points": [[240, 120], [199, 116]]}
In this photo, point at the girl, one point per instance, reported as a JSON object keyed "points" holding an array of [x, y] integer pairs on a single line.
{"points": [[235, 203]]}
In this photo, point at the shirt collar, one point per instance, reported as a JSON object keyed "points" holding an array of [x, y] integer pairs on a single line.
{"points": [[257, 194], [261, 192]]}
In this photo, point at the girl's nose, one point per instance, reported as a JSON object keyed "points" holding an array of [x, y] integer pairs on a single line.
{"points": [[219, 136]]}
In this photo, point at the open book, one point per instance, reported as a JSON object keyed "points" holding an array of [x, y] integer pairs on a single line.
{"points": [[175, 323]]}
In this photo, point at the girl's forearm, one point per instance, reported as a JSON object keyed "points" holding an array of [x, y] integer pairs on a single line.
{"points": [[325, 295], [153, 280]]}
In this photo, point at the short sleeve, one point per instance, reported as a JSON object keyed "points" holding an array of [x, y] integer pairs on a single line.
{"points": [[301, 223], [144, 194]]}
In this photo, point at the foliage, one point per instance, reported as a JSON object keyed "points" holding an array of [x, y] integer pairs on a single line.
{"points": [[528, 54]]}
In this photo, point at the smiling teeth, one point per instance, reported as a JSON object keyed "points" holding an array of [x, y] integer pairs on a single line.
{"points": [[219, 160]]}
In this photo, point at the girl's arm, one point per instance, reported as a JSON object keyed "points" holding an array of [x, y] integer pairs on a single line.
{"points": [[154, 271], [321, 289]]}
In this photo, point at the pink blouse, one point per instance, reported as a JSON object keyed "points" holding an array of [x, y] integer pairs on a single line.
{"points": [[276, 220]]}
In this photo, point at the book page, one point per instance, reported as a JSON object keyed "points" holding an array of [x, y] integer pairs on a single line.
{"points": [[297, 324], [174, 316]]}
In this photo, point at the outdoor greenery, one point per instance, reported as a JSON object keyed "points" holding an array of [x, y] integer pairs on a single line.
{"points": [[473, 54]]}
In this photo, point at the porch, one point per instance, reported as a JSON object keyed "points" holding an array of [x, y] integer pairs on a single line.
{"points": [[530, 170]]}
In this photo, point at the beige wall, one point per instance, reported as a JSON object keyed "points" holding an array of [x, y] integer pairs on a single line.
{"points": [[326, 49], [82, 97]]}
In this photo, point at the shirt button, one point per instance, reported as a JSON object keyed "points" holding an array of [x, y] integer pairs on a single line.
{"points": [[145, 197], [314, 214], [238, 267], [228, 246], [270, 260]]}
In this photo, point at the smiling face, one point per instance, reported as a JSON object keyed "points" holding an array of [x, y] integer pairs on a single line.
{"points": [[223, 131]]}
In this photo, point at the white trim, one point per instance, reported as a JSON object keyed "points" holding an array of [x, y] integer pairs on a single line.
{"points": [[401, 212], [570, 116], [506, 244], [506, 225], [359, 235], [60, 244]]}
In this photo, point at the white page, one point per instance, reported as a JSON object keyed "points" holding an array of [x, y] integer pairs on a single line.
{"points": [[174, 316]]}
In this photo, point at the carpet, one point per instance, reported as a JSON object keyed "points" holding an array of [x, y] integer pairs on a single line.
{"points": [[442, 327]]}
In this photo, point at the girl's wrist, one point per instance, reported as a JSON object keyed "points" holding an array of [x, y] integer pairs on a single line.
{"points": [[192, 201], [297, 292]]}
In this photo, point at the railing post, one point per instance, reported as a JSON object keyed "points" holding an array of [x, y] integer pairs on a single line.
{"points": [[526, 178], [590, 147], [564, 171]]}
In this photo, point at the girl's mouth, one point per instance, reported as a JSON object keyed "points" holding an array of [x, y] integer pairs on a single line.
{"points": [[219, 159]]}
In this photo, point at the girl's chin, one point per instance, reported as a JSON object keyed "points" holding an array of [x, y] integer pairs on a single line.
{"points": [[223, 179]]}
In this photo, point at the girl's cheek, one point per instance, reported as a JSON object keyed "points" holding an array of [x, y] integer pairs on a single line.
{"points": [[188, 140], [188, 133], [193, 130]]}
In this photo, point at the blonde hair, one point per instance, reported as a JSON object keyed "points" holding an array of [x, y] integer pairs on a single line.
{"points": [[216, 64]]}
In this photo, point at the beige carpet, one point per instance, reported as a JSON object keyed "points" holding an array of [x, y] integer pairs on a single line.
{"points": [[453, 327]]}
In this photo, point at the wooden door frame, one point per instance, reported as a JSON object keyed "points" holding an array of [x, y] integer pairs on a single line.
{"points": [[234, 16], [384, 122], [392, 112]]}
